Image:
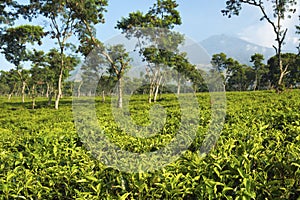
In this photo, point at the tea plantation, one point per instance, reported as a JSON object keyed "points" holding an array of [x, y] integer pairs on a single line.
{"points": [[257, 155]]}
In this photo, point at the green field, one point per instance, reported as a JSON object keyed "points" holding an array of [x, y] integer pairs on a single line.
{"points": [[256, 157]]}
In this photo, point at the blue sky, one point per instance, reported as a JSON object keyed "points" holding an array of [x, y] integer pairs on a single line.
{"points": [[200, 20]]}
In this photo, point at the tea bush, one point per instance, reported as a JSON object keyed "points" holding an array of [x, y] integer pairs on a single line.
{"points": [[256, 157]]}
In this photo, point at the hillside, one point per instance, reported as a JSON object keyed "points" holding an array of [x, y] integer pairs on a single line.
{"points": [[234, 47]]}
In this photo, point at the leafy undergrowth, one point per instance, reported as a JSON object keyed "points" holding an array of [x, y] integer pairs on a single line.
{"points": [[256, 157]]}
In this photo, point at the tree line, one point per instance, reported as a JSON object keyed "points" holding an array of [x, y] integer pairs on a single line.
{"points": [[67, 20]]}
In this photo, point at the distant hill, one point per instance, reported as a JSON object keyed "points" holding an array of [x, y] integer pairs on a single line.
{"points": [[234, 47]]}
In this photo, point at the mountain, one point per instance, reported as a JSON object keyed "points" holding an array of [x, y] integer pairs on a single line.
{"points": [[234, 47]]}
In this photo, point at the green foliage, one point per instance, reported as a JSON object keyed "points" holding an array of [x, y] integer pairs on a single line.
{"points": [[13, 42], [66, 18], [8, 16], [260, 70], [288, 59], [9, 81], [225, 66], [162, 14], [298, 32], [256, 156], [280, 10], [157, 43]]}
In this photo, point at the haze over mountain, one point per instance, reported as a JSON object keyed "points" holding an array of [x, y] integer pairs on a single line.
{"points": [[234, 47]]}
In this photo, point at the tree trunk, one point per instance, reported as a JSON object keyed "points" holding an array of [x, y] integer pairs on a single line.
{"points": [[33, 96], [59, 89], [50, 99], [157, 88], [23, 91], [150, 93], [151, 89], [120, 99], [258, 87], [156, 92], [255, 82], [283, 72], [103, 96], [178, 85], [47, 91], [194, 89], [78, 89], [161, 90], [12, 92], [152, 84]]}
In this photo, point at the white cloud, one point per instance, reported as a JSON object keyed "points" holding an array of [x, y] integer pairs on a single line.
{"points": [[261, 32]]}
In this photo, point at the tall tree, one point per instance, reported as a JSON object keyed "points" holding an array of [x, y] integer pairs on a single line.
{"points": [[109, 63], [10, 80], [259, 68], [67, 18], [298, 32], [4, 83], [53, 58], [223, 65], [281, 9], [290, 59], [46, 65], [185, 70], [197, 78], [155, 38], [40, 76], [14, 46], [118, 64], [90, 72], [24, 77], [242, 78], [37, 75]]}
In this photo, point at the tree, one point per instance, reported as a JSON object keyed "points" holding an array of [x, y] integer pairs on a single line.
{"points": [[298, 32], [53, 58], [40, 76], [293, 78], [259, 68], [184, 69], [281, 9], [242, 78], [8, 12], [156, 41], [196, 77], [36, 78], [4, 84], [45, 65], [24, 77], [14, 46], [101, 65], [67, 18], [9, 80], [91, 72], [223, 65], [292, 61], [118, 64]]}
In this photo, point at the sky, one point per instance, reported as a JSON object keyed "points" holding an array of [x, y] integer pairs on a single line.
{"points": [[200, 20]]}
